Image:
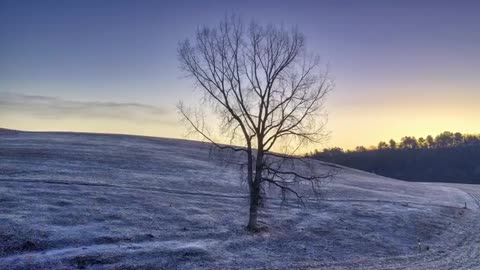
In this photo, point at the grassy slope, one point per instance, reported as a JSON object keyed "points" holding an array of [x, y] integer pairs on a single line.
{"points": [[82, 200]]}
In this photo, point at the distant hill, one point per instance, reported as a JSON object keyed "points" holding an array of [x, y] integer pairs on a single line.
{"points": [[5, 131], [447, 157]]}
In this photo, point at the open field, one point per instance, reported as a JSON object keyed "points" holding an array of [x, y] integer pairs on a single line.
{"points": [[91, 201]]}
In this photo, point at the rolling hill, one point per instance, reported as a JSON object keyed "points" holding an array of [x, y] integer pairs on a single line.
{"points": [[98, 201]]}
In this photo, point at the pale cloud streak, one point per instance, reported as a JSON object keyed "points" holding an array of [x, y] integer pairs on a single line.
{"points": [[45, 107]]}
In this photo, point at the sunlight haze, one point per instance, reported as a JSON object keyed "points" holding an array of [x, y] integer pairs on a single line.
{"points": [[400, 68]]}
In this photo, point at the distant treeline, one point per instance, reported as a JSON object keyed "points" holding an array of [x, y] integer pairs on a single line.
{"points": [[447, 157]]}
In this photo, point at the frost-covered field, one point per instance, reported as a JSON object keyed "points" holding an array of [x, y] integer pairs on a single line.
{"points": [[71, 201]]}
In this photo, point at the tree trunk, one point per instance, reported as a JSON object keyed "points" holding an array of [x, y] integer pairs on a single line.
{"points": [[254, 203], [255, 193]]}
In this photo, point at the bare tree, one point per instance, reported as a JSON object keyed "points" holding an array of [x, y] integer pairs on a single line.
{"points": [[268, 94]]}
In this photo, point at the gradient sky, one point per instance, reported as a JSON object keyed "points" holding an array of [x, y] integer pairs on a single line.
{"points": [[400, 67]]}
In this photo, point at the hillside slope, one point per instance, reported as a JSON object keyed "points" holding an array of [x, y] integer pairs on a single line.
{"points": [[70, 200]]}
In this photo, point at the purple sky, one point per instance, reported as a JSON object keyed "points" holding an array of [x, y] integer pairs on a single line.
{"points": [[400, 67]]}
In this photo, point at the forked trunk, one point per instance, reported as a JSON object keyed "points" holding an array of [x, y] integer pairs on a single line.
{"points": [[255, 193], [253, 217]]}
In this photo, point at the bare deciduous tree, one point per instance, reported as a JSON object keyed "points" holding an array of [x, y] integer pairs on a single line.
{"points": [[267, 92]]}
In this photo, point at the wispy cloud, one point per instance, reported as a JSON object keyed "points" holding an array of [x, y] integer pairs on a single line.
{"points": [[53, 107]]}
